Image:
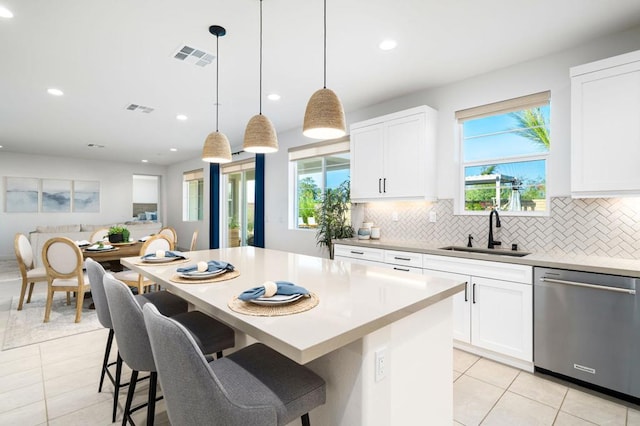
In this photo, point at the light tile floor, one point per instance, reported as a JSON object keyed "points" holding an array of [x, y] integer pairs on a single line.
{"points": [[56, 382]]}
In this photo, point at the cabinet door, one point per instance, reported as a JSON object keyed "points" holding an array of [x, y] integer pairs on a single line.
{"points": [[404, 157], [605, 135], [366, 161], [502, 317], [461, 305]]}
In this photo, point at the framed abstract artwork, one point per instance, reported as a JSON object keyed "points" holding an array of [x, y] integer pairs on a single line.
{"points": [[86, 196], [21, 195], [56, 195]]}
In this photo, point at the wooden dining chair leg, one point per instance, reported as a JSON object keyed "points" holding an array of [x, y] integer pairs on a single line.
{"points": [[30, 292], [79, 300], [68, 298], [23, 290], [47, 310]]}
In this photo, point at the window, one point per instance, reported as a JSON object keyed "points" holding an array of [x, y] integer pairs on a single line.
{"points": [[316, 167], [192, 195], [504, 149], [239, 192]]}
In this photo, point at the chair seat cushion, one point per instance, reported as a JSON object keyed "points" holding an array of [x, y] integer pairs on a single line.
{"points": [[37, 274], [210, 334], [257, 375], [167, 303]]}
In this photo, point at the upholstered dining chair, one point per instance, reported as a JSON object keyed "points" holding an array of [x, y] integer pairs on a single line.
{"points": [[171, 234], [26, 262], [133, 279], [167, 303], [133, 341], [98, 235], [194, 241], [253, 386], [63, 262]]}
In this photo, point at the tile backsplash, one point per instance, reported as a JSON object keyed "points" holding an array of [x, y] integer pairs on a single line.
{"points": [[595, 226]]}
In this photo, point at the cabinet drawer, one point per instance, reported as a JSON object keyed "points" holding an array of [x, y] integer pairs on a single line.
{"points": [[356, 252], [480, 268], [403, 258]]}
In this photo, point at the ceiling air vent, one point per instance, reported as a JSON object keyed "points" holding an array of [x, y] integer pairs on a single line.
{"points": [[194, 56], [139, 108]]}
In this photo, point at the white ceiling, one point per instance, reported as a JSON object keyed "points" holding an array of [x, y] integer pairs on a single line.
{"points": [[105, 55]]}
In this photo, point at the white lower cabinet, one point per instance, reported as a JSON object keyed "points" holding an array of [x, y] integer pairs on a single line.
{"points": [[392, 259], [492, 313]]}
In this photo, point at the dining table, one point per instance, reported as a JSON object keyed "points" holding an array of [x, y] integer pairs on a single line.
{"points": [[112, 256], [380, 338]]}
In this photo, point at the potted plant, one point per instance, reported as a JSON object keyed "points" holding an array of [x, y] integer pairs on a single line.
{"points": [[333, 216], [118, 234]]}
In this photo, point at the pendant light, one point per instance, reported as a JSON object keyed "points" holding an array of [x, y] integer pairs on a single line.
{"points": [[260, 135], [216, 147], [324, 117]]}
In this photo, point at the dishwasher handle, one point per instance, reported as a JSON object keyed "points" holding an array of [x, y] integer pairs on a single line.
{"points": [[598, 287]]}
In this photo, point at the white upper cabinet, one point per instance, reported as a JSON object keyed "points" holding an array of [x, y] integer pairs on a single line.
{"points": [[605, 127], [393, 156]]}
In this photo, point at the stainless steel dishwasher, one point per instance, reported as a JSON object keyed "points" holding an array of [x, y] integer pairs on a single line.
{"points": [[587, 327]]}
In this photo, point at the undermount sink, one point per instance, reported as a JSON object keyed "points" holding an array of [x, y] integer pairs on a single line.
{"points": [[495, 252]]}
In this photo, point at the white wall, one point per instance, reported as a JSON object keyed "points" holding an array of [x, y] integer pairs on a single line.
{"points": [[145, 189], [115, 192]]}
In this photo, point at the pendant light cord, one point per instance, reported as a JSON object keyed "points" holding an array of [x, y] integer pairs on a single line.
{"points": [[260, 93], [325, 43], [217, 74]]}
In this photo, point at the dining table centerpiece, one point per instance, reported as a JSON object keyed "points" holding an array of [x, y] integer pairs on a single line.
{"points": [[118, 234]]}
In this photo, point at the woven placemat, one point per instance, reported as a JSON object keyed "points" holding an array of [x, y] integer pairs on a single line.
{"points": [[226, 276], [169, 262], [301, 305]]}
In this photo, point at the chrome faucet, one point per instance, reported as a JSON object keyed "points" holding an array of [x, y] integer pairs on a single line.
{"points": [[492, 242]]}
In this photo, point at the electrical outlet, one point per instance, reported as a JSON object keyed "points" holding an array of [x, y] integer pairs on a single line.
{"points": [[432, 216], [380, 364]]}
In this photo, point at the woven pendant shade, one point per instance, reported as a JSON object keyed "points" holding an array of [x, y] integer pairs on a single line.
{"points": [[260, 136], [324, 117], [216, 148]]}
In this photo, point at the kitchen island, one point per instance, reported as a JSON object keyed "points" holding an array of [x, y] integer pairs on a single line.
{"points": [[381, 339]]}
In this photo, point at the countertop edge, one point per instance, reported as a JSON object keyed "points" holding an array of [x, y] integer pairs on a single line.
{"points": [[586, 263]]}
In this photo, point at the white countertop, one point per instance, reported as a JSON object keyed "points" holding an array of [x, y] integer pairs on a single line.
{"points": [[355, 300], [579, 262]]}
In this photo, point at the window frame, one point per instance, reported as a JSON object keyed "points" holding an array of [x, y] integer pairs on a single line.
{"points": [[318, 150], [196, 175], [499, 108]]}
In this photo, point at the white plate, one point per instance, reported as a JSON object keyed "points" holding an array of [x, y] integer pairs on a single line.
{"points": [[195, 275], [104, 248], [154, 259], [278, 299]]}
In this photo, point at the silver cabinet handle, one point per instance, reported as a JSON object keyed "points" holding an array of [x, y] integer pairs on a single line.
{"points": [[597, 287]]}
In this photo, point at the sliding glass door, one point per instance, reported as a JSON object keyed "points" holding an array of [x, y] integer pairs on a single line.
{"points": [[239, 187]]}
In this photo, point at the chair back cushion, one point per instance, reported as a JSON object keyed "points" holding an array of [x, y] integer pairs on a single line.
{"points": [[62, 258], [128, 325], [155, 243], [170, 233], [96, 272], [98, 235], [192, 392], [24, 252]]}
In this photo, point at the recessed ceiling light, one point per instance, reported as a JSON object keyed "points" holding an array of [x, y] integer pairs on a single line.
{"points": [[1, 146], [181, 117], [145, 161], [273, 97], [5, 13], [55, 92], [173, 149], [388, 44]]}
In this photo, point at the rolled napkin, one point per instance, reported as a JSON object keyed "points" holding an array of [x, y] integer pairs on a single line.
{"points": [[285, 288], [83, 243], [214, 265], [168, 254]]}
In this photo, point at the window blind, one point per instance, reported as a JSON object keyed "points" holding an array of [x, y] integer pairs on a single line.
{"points": [[319, 149], [193, 175], [503, 107], [238, 166]]}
